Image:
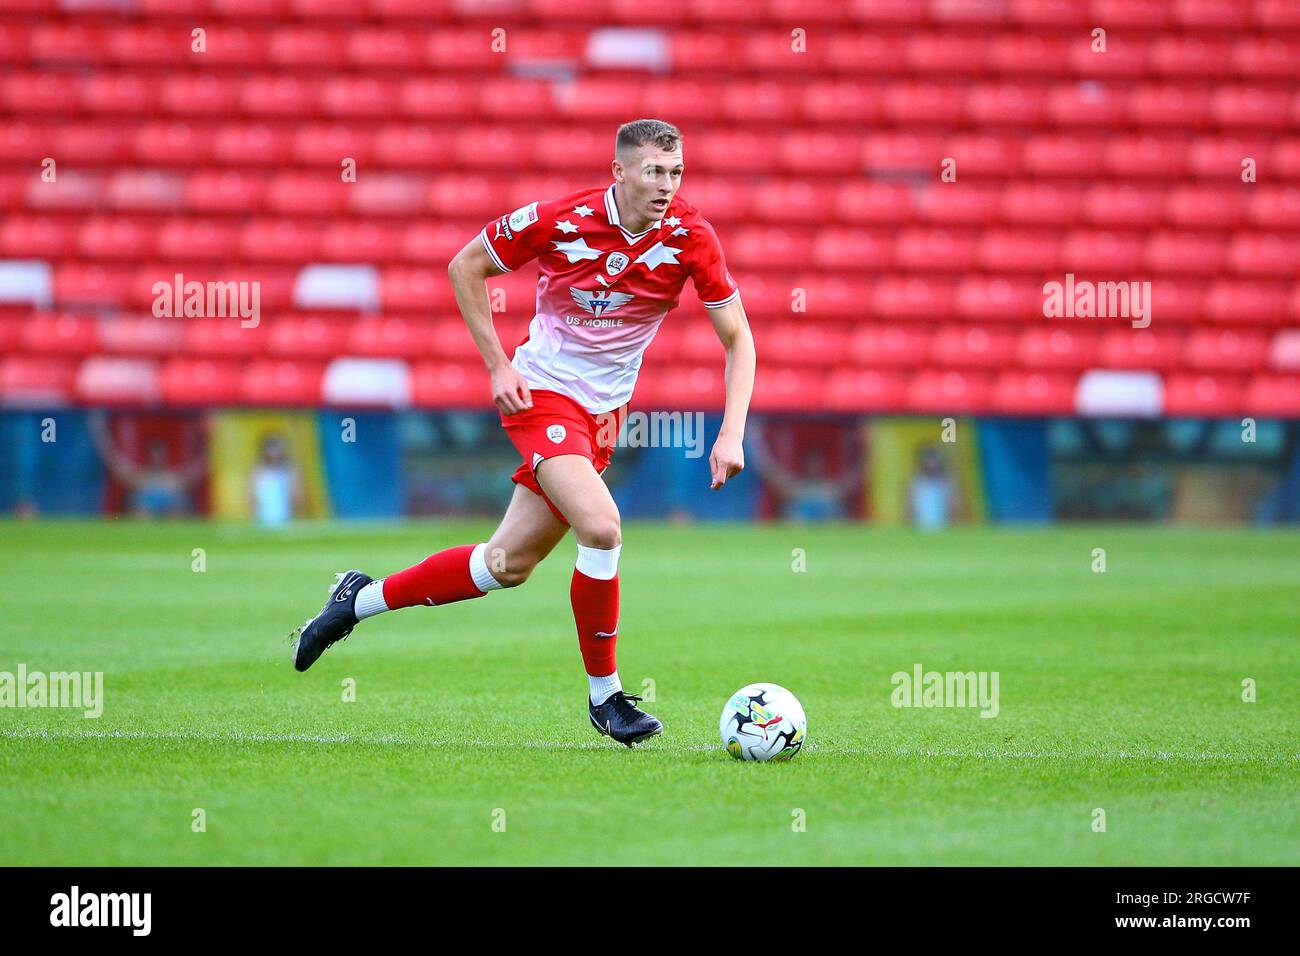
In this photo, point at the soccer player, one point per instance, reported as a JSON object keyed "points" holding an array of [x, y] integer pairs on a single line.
{"points": [[612, 262]]}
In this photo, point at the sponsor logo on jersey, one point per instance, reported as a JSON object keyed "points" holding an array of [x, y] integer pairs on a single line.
{"points": [[556, 433], [616, 263], [523, 217], [600, 301], [503, 227]]}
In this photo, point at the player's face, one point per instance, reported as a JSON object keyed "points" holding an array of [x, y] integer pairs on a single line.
{"points": [[649, 178]]}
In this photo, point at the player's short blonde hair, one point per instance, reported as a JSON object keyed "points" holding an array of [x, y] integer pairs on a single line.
{"points": [[644, 132]]}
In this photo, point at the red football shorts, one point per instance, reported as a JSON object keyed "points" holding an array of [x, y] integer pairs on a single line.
{"points": [[557, 425]]}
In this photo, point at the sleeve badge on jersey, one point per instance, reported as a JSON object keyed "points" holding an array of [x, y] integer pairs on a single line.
{"points": [[523, 217]]}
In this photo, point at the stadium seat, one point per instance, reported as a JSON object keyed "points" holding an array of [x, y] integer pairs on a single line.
{"points": [[278, 383], [1203, 396], [1018, 392]]}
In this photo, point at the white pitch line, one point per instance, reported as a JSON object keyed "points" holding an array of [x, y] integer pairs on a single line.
{"points": [[406, 741]]}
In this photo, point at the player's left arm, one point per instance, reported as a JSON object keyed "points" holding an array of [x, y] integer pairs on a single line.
{"points": [[721, 296], [732, 326]]}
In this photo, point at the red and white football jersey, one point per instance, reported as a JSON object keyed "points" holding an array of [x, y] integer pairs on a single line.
{"points": [[602, 291]]}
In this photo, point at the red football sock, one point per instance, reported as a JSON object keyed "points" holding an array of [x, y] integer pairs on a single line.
{"points": [[595, 611], [441, 578]]}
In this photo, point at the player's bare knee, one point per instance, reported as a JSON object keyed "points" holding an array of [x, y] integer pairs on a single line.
{"points": [[517, 570], [603, 533]]}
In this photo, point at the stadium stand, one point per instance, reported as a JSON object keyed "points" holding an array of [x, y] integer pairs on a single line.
{"points": [[872, 284]]}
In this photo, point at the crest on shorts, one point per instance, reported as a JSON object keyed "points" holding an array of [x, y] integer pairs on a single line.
{"points": [[615, 263], [556, 433]]}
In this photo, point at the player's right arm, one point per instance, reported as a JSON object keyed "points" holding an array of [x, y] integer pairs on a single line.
{"points": [[469, 271]]}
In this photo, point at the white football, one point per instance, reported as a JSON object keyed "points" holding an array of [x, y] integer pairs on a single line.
{"points": [[763, 722]]}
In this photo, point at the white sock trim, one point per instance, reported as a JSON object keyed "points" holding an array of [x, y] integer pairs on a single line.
{"points": [[478, 570], [598, 564], [370, 600], [603, 688]]}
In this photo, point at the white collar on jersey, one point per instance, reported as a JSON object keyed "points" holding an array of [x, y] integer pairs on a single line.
{"points": [[611, 213]]}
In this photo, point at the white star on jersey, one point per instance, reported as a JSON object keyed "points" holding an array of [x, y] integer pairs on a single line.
{"points": [[680, 231], [583, 210], [657, 255], [565, 226], [577, 249], [672, 221]]}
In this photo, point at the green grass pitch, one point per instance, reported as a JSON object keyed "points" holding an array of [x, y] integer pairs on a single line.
{"points": [[1119, 691]]}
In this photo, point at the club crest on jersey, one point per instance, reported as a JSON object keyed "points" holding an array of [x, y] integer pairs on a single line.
{"points": [[556, 433], [600, 301], [615, 263]]}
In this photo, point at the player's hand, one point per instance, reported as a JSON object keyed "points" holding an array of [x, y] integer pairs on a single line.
{"points": [[510, 392], [726, 461]]}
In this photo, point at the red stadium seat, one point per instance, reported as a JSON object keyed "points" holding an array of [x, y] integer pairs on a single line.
{"points": [[1211, 14], [314, 193], [43, 237], [116, 237], [225, 190], [1177, 105], [198, 239], [280, 240], [1185, 253], [1203, 396], [33, 380], [391, 336], [1059, 346], [1247, 302], [921, 298], [804, 343], [1017, 392], [1251, 107], [1208, 207], [199, 382], [1028, 53], [1007, 103], [1072, 156], [361, 241], [873, 202], [969, 203], [1269, 254], [438, 384], [936, 250], [1102, 252], [1007, 251], [1191, 55], [1128, 348], [61, 334], [441, 97], [210, 94], [972, 346], [1147, 156], [1086, 104], [1124, 205], [41, 92], [952, 53], [866, 390], [1042, 204], [1273, 207], [1275, 396], [310, 46], [1225, 350], [999, 299], [282, 383], [935, 391], [888, 346]]}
